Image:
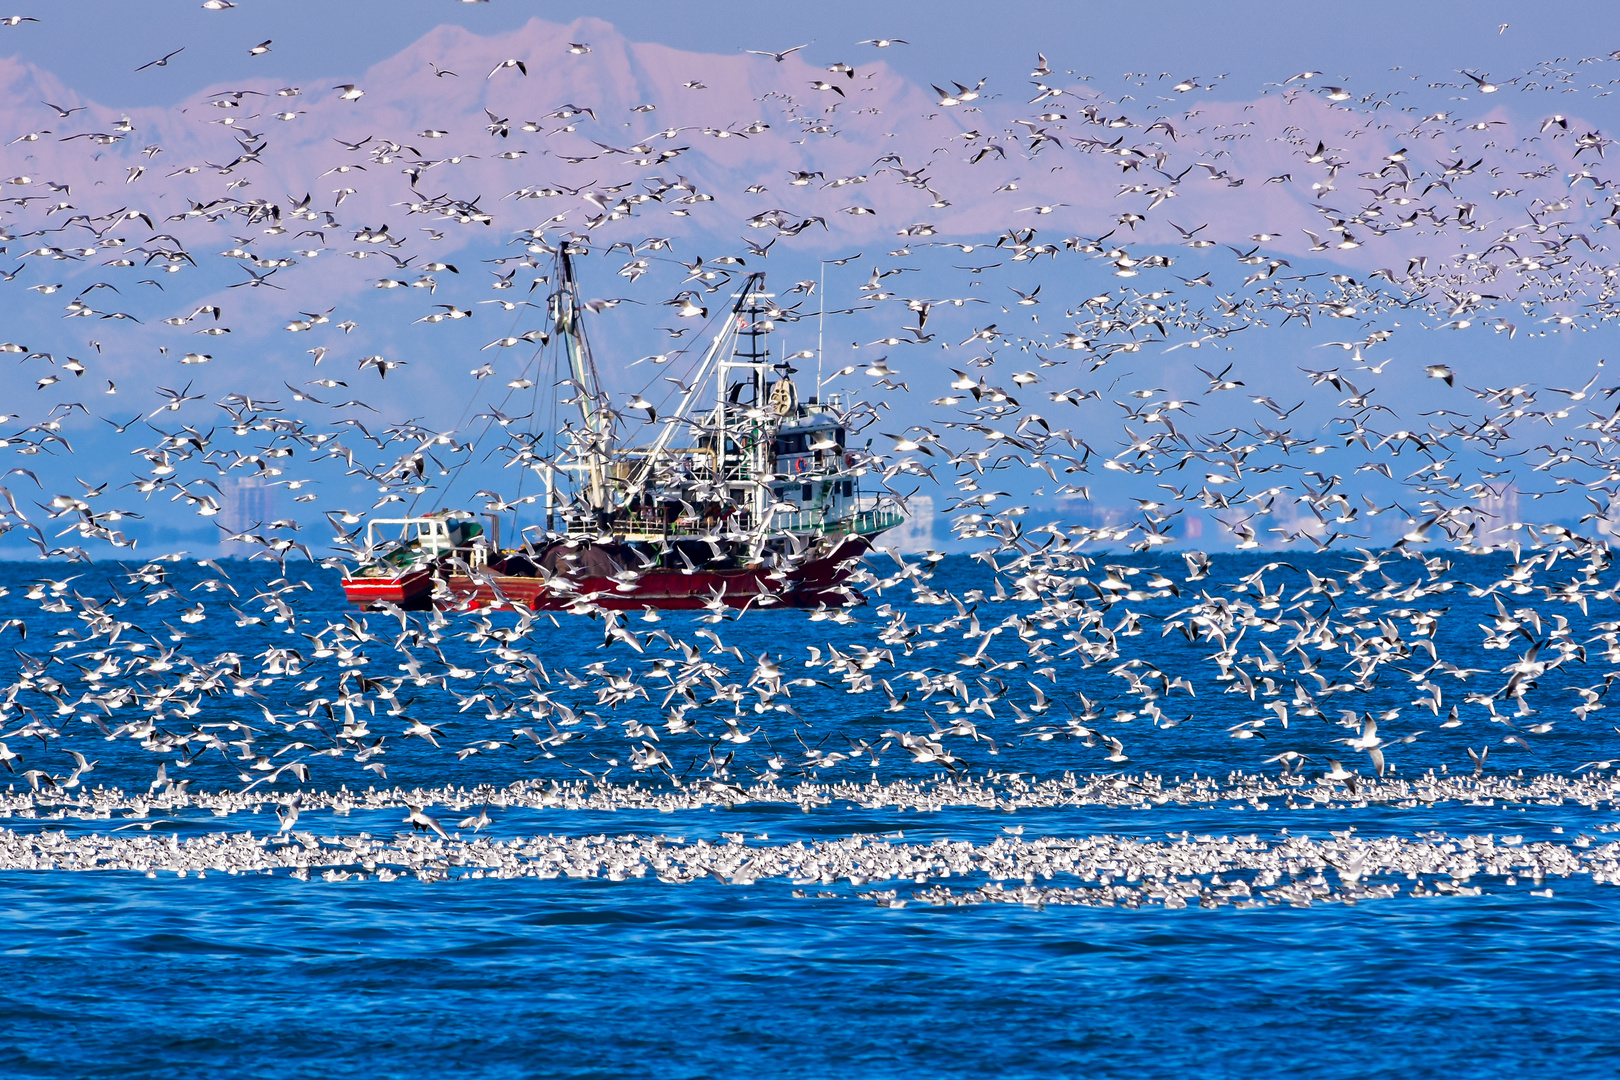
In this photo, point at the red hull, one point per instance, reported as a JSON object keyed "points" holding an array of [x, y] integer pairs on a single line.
{"points": [[409, 590], [812, 584]]}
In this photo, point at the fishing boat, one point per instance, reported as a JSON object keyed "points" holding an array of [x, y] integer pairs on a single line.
{"points": [[744, 494]]}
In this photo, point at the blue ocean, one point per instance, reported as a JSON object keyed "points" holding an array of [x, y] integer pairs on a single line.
{"points": [[871, 881]]}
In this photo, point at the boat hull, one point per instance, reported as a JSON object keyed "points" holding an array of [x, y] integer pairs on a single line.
{"points": [[814, 583], [412, 590]]}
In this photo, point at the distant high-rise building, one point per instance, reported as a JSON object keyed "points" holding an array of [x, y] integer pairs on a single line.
{"points": [[249, 503], [917, 532], [1498, 510], [1608, 522]]}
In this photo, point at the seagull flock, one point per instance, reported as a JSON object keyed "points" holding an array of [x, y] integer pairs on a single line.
{"points": [[1031, 293]]}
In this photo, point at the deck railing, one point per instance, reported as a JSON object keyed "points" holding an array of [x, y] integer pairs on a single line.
{"points": [[650, 526], [873, 520]]}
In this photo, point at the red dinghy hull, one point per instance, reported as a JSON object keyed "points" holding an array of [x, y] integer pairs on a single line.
{"points": [[413, 590]]}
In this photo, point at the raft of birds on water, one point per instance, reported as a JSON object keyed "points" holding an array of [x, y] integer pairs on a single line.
{"points": [[1098, 870]]}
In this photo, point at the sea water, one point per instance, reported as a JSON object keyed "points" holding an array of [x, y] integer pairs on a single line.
{"points": [[118, 972]]}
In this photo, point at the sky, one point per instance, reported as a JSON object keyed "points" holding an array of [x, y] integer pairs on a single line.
{"points": [[1250, 42], [1194, 117]]}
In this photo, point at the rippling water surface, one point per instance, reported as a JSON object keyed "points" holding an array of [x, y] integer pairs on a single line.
{"points": [[114, 975], [1456, 924]]}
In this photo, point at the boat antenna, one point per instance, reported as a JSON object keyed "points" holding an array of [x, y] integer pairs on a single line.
{"points": [[821, 324]]}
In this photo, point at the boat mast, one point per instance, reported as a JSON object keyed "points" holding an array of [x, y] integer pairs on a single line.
{"points": [[565, 308], [649, 468], [744, 424]]}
